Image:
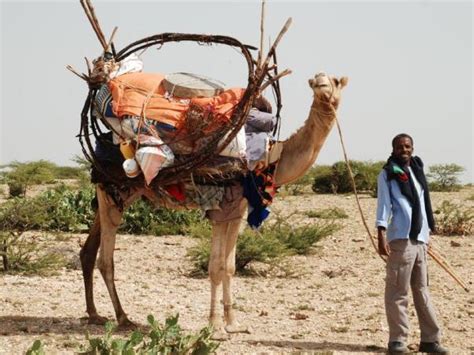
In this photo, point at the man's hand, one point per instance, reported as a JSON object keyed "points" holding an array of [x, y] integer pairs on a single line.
{"points": [[383, 246]]}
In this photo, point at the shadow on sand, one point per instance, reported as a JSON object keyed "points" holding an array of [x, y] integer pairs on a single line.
{"points": [[325, 346], [20, 325]]}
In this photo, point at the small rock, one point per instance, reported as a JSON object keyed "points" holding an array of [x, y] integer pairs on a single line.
{"points": [[299, 316], [455, 244], [263, 313]]}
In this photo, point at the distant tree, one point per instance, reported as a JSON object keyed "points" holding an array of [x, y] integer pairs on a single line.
{"points": [[336, 178], [445, 177], [23, 175]]}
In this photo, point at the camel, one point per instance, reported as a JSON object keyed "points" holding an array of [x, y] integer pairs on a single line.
{"points": [[297, 156]]}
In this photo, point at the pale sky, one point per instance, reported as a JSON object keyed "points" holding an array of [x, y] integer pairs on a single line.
{"points": [[409, 66]]}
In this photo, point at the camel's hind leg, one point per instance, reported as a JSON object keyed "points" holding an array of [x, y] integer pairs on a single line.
{"points": [[88, 256], [110, 218]]}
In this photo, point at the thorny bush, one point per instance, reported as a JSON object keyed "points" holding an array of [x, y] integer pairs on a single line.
{"points": [[454, 219]]}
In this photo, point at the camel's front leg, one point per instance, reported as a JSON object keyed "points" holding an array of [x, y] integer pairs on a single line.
{"points": [[88, 256], [232, 326], [216, 272], [110, 217]]}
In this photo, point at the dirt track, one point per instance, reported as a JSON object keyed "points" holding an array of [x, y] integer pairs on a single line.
{"points": [[339, 290]]}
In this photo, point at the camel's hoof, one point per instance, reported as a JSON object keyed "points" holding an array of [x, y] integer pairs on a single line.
{"points": [[97, 320], [237, 328], [126, 324], [220, 335]]}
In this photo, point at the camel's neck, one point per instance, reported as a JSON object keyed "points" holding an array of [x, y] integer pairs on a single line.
{"points": [[302, 148]]}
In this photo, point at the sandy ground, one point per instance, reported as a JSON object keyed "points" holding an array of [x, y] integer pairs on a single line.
{"points": [[331, 304]]}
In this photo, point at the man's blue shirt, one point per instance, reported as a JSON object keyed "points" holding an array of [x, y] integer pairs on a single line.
{"points": [[394, 210]]}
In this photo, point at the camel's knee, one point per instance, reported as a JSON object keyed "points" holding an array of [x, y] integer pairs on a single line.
{"points": [[230, 269], [106, 267], [216, 273]]}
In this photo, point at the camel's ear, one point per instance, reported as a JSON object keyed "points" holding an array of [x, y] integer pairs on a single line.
{"points": [[344, 80]]}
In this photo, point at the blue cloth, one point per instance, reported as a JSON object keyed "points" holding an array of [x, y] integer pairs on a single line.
{"points": [[259, 190], [394, 210]]}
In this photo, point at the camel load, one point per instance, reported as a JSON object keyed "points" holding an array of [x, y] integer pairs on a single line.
{"points": [[183, 140], [179, 131]]}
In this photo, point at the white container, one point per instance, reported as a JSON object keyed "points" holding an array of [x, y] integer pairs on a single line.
{"points": [[131, 168]]}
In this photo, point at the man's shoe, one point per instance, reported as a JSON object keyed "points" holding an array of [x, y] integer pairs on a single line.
{"points": [[432, 348], [397, 347]]}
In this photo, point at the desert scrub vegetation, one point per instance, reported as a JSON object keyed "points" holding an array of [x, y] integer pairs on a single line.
{"points": [[67, 209], [21, 176], [454, 219], [444, 177], [22, 254], [61, 208], [336, 178], [161, 339], [269, 244], [327, 213]]}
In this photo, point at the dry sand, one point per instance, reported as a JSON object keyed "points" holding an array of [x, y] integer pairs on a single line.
{"points": [[332, 303]]}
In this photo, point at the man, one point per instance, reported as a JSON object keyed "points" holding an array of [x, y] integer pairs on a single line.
{"points": [[404, 222]]}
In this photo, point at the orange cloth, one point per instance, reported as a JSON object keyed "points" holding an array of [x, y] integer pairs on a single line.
{"points": [[131, 91]]}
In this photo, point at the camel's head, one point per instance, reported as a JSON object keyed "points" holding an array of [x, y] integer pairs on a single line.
{"points": [[327, 88]]}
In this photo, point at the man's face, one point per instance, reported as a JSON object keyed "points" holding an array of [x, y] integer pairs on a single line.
{"points": [[403, 149]]}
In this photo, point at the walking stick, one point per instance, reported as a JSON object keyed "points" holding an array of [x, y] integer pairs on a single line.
{"points": [[436, 257], [444, 265]]}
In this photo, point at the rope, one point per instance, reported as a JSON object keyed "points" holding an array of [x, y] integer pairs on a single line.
{"points": [[369, 234]]}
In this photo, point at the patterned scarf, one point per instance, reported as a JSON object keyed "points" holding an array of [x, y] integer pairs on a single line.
{"points": [[397, 170]]}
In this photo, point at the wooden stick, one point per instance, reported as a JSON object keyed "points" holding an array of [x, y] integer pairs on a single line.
{"points": [[82, 76], [275, 44], [109, 43], [89, 66], [96, 21], [93, 21], [444, 265], [275, 78], [262, 29]]}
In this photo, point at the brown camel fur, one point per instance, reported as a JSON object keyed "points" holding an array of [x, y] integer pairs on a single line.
{"points": [[298, 155]]}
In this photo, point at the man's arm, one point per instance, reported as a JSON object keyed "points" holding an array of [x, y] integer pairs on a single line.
{"points": [[384, 248], [384, 211]]}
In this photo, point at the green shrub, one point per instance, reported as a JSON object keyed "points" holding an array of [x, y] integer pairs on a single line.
{"points": [[251, 246], [452, 219], [16, 189], [67, 209], [298, 187], [271, 242], [444, 177], [36, 348], [143, 218], [166, 339], [23, 175], [336, 179], [327, 213], [300, 240], [58, 209], [24, 255], [323, 182]]}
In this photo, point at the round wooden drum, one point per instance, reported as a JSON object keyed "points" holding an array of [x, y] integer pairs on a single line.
{"points": [[188, 85]]}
